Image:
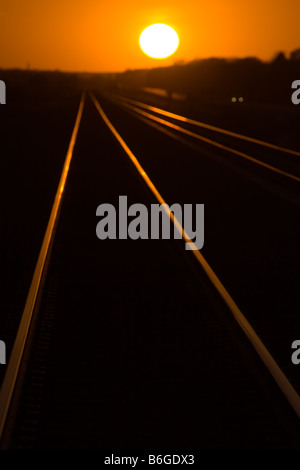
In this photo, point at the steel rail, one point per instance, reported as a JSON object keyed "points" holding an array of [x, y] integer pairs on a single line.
{"points": [[280, 378], [208, 126], [13, 366], [208, 141]]}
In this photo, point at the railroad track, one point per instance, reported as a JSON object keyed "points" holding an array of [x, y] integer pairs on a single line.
{"points": [[170, 120], [51, 270]]}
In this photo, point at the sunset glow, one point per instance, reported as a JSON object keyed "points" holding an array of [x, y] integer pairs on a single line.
{"points": [[104, 36]]}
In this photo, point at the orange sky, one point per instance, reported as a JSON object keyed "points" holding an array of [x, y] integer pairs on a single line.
{"points": [[102, 35]]}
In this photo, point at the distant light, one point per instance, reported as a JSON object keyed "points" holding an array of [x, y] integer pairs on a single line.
{"points": [[241, 99], [233, 99]]}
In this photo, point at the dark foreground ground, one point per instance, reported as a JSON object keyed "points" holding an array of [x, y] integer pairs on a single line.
{"points": [[133, 315]]}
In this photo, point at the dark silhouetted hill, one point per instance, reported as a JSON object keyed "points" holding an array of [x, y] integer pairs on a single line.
{"points": [[218, 80]]}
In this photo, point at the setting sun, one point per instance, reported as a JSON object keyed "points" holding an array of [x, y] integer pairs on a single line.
{"points": [[159, 41]]}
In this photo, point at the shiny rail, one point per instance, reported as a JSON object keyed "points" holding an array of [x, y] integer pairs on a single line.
{"points": [[280, 378], [214, 143], [178, 117], [14, 363]]}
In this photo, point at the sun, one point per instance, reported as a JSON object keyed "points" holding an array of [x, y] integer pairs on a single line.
{"points": [[159, 41]]}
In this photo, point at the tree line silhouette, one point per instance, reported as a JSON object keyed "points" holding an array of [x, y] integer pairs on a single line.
{"points": [[217, 79], [212, 80]]}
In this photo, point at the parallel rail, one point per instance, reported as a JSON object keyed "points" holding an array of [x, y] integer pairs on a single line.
{"points": [[280, 378], [13, 367], [14, 363], [136, 106], [204, 125]]}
